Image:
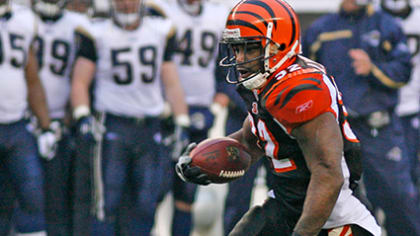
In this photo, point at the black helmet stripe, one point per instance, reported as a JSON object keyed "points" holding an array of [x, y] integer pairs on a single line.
{"points": [[293, 21], [243, 23], [266, 7], [253, 14]]}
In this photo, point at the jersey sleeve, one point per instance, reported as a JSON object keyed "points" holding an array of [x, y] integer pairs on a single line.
{"points": [[170, 45], [299, 101], [85, 44]]}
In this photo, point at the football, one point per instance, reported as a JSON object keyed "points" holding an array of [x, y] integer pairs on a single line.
{"points": [[222, 159]]}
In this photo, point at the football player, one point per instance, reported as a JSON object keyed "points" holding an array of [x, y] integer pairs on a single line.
{"points": [[409, 104], [297, 120], [199, 27], [130, 57], [20, 86], [55, 48]]}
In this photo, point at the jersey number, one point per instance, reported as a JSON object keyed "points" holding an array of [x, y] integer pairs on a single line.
{"points": [[185, 47], [60, 52], [17, 51], [271, 148], [147, 57]]}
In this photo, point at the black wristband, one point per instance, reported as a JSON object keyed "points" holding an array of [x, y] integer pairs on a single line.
{"points": [[295, 234]]}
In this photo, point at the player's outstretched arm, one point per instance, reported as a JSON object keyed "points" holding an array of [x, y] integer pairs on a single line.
{"points": [[246, 138], [36, 94], [321, 142]]}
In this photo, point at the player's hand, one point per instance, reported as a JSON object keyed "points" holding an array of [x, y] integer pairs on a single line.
{"points": [[181, 140], [188, 173], [89, 128], [48, 141], [362, 64]]}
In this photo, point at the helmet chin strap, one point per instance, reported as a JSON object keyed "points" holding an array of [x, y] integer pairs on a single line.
{"points": [[257, 80]]}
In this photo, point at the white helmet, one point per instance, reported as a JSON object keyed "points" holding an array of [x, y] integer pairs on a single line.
{"points": [[49, 8], [4, 7], [127, 12], [192, 7], [396, 7]]}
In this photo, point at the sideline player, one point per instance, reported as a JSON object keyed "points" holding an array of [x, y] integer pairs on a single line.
{"points": [[20, 88], [409, 104], [130, 57], [55, 48], [367, 53], [199, 27]]}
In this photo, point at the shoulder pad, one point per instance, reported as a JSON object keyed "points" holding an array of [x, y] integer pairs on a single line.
{"points": [[298, 99]]}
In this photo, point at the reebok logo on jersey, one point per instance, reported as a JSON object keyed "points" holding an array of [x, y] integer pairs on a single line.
{"points": [[306, 106]]}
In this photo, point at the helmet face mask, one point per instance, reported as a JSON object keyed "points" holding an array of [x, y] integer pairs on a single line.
{"points": [[274, 25], [127, 13], [49, 8], [245, 56]]}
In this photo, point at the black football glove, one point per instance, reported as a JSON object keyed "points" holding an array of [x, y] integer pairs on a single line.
{"points": [[189, 173], [89, 128]]}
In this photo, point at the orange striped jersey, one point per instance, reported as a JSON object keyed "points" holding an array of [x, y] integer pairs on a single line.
{"points": [[290, 98]]}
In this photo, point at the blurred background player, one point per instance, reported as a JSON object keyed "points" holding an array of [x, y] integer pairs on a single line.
{"points": [[409, 103], [20, 86], [199, 28], [81, 6], [238, 198], [55, 48], [130, 57], [366, 51]]}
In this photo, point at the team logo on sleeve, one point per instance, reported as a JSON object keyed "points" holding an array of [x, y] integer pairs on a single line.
{"points": [[304, 107]]}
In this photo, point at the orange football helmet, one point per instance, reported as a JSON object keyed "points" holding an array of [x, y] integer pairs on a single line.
{"points": [[274, 26]]}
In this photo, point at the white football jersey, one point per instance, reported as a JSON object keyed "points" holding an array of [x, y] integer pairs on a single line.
{"points": [[198, 42], [129, 66], [410, 94], [16, 35], [55, 52]]}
